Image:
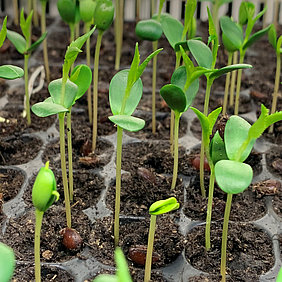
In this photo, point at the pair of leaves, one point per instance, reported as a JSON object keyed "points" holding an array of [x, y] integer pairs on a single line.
{"points": [[25, 24], [164, 206]]}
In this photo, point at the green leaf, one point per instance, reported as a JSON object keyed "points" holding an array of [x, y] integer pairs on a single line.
{"points": [[66, 10], [47, 108], [260, 14], [212, 29], [217, 73], [117, 91], [133, 76], [233, 33], [190, 8], [272, 36], [128, 123], [106, 278], [26, 24], [279, 276], [122, 267], [273, 118], [7, 262], [86, 10], [221, 2], [82, 77], [36, 43], [246, 11], [3, 32], [104, 14], [164, 206], [17, 40], [183, 44], [255, 37], [174, 97], [149, 30], [212, 117], [228, 44], [235, 133], [11, 72], [233, 177], [55, 89], [172, 29], [201, 53], [217, 149], [278, 47]]}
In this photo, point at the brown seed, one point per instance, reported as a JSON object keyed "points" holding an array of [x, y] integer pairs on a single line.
{"points": [[266, 187], [86, 148], [71, 238], [277, 165], [138, 255], [258, 95], [146, 174], [196, 163]]}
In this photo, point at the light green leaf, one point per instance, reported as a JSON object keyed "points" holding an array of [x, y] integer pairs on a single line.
{"points": [[26, 24], [128, 123], [3, 32], [217, 73], [17, 40], [67, 10], [272, 36], [122, 267], [11, 72], [117, 91], [212, 117], [47, 108], [204, 121], [133, 76], [7, 262], [217, 149], [164, 206], [233, 177], [106, 278], [255, 37], [149, 30], [36, 43], [190, 8]]}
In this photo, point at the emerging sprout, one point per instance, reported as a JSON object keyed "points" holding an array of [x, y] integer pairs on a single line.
{"points": [[7, 263]]}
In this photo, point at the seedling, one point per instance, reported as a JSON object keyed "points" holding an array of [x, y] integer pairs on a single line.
{"points": [[63, 94], [212, 154], [103, 18], [119, 4], [235, 35], [122, 274], [125, 93], [7, 262], [151, 30], [86, 11], [276, 44], [44, 193], [207, 58], [157, 208], [22, 44], [232, 175]]}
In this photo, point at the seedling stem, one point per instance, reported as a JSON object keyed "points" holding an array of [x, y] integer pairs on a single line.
{"points": [[175, 159], [27, 106], [38, 224], [233, 80], [227, 84], [154, 78], [89, 98], [70, 155], [238, 87]]}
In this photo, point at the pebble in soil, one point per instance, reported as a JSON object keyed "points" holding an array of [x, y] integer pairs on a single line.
{"points": [[249, 251]]}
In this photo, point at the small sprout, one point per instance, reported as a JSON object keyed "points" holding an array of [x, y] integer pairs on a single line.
{"points": [[164, 206], [71, 238], [7, 263]]}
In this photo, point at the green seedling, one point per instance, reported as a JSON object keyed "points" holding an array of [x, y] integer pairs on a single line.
{"points": [[233, 176], [86, 10], [103, 18], [157, 208], [7, 263], [44, 193], [235, 35], [125, 93], [212, 154], [279, 276], [206, 58], [64, 92], [122, 273], [22, 44], [119, 7], [152, 30], [276, 44], [43, 30]]}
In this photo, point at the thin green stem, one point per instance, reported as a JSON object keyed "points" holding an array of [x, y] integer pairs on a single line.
{"points": [[276, 88], [16, 12], [45, 49], [227, 84], [76, 34], [71, 32], [64, 168], [154, 79], [38, 224], [137, 10], [27, 106], [276, 14], [224, 237], [238, 86], [117, 32], [118, 185], [89, 98], [153, 7], [95, 89], [35, 13], [207, 96], [148, 264], [209, 209], [175, 161], [70, 155], [215, 9], [233, 80]]}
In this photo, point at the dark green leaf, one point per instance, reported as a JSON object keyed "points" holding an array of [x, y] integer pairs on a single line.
{"points": [[183, 44], [66, 10], [129, 123], [55, 89], [17, 40], [36, 43], [235, 133], [104, 14], [221, 2], [11, 72], [255, 37], [228, 44], [3, 31], [86, 10], [272, 36], [47, 108], [164, 206], [82, 77], [233, 33], [190, 8], [217, 149], [246, 11], [174, 97], [233, 177], [201, 53], [217, 73], [149, 30], [117, 91]]}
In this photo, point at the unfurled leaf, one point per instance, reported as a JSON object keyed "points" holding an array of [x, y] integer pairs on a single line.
{"points": [[47, 108], [233, 177], [11, 72], [255, 37], [217, 73], [246, 11], [128, 123], [164, 206], [149, 30], [272, 36], [17, 40], [36, 43], [3, 32], [26, 24]]}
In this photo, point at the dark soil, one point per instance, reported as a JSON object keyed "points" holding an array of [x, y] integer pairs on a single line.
{"points": [[274, 161], [168, 243], [249, 251]]}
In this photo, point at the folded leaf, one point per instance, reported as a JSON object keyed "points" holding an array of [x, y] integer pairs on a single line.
{"points": [[11, 72], [217, 149], [128, 123], [255, 37], [3, 32], [17, 40], [26, 24], [272, 36], [47, 108], [164, 206], [217, 73], [36, 43]]}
